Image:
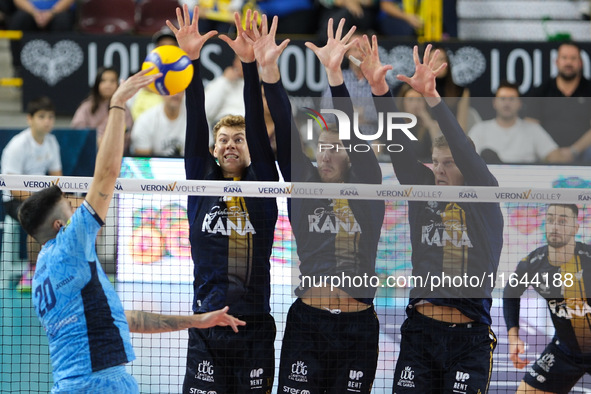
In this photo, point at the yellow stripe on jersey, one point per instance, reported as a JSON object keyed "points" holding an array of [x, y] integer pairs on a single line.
{"points": [[348, 233], [240, 248], [455, 251], [573, 291]]}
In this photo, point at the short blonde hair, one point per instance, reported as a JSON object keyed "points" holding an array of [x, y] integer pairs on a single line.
{"points": [[232, 121]]}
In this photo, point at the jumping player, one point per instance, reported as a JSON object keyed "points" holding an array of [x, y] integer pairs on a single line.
{"points": [[558, 272], [447, 342], [231, 237], [87, 329], [331, 336]]}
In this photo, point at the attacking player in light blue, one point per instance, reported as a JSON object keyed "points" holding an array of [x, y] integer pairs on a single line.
{"points": [[87, 328]]}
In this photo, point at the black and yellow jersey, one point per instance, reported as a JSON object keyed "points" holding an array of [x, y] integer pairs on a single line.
{"points": [[567, 290], [456, 246], [231, 237], [335, 237]]}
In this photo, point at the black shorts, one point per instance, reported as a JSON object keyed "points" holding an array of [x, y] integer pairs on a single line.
{"points": [[324, 352], [439, 357], [222, 361], [555, 371]]}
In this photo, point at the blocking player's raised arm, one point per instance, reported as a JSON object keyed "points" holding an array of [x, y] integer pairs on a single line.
{"points": [[197, 133], [406, 165], [261, 153], [267, 53], [472, 166]]}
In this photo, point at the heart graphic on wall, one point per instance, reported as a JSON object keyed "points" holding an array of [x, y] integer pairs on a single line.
{"points": [[51, 64], [468, 64], [400, 57]]}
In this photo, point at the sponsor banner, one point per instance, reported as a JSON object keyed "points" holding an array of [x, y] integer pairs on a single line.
{"points": [[68, 62], [308, 190]]}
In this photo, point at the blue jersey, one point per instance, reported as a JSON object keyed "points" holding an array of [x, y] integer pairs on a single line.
{"points": [[77, 305]]}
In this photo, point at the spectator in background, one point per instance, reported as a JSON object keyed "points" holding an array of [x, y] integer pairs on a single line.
{"points": [[34, 151], [6, 10], [395, 22], [426, 129], [507, 138], [455, 96], [450, 19], [220, 94], [39, 15], [359, 13], [93, 112], [215, 14], [160, 131], [145, 98], [567, 120], [296, 16]]}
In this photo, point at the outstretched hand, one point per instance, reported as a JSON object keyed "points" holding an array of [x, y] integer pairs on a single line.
{"points": [[218, 318], [266, 50], [331, 55], [128, 88], [423, 80], [372, 67], [187, 35], [517, 347], [239, 45]]}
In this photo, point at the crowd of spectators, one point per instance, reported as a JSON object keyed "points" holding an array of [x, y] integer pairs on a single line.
{"points": [[385, 17], [549, 142]]}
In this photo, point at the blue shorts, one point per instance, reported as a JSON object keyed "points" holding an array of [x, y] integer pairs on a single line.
{"points": [[324, 352], [556, 371], [113, 380], [440, 357]]}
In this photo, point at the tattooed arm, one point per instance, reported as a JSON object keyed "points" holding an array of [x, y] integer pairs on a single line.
{"points": [[150, 323]]}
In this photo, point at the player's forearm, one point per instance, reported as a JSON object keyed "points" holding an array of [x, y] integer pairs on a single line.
{"points": [[335, 77], [270, 73], [150, 323], [392, 9], [513, 333], [26, 6], [197, 132], [582, 143], [108, 159]]}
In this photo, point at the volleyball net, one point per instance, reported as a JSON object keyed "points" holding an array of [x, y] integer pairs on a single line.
{"points": [[145, 246]]}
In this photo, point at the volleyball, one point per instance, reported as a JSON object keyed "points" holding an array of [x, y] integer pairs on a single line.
{"points": [[175, 66]]}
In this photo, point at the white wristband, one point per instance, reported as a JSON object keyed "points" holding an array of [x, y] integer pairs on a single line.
{"points": [[354, 60]]}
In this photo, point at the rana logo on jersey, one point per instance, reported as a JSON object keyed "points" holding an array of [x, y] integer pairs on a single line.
{"points": [[328, 221], [225, 221]]}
